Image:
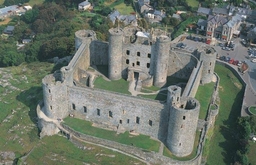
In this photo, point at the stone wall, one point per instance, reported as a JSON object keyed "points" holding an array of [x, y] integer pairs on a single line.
{"points": [[193, 82], [119, 111], [99, 53], [181, 64]]}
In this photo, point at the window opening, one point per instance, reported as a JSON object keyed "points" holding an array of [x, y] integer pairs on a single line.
{"points": [[98, 112], [137, 120], [110, 114], [150, 122]]}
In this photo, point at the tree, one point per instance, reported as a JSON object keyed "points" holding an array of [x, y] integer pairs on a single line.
{"points": [[174, 21], [30, 16]]}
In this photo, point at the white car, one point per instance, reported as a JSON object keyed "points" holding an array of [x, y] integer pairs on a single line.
{"points": [[253, 60]]}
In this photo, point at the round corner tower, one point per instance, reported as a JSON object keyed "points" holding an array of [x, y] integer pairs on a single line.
{"points": [[115, 53], [183, 120], [208, 58], [161, 60], [55, 97]]}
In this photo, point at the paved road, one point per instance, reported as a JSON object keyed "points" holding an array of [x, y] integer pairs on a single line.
{"points": [[239, 53]]}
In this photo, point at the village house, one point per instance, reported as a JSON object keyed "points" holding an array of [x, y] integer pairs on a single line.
{"points": [[84, 5]]}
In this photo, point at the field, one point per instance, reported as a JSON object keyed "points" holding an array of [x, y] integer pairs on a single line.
{"points": [[203, 95], [86, 127], [120, 6], [21, 90], [5, 21], [252, 110], [192, 3], [35, 2], [223, 145]]}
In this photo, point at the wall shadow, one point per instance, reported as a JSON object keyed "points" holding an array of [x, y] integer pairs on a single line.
{"points": [[229, 130], [31, 98]]}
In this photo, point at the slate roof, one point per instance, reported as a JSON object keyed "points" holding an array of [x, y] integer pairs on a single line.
{"points": [[202, 22], [203, 10], [235, 19], [85, 3], [112, 16], [217, 19], [6, 10], [217, 10]]}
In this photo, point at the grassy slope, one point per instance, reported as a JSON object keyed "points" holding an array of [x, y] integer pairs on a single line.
{"points": [[17, 106], [223, 144], [193, 3], [85, 127], [120, 6], [203, 95], [58, 150]]}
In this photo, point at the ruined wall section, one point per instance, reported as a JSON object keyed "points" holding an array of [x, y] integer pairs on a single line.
{"points": [[184, 112], [117, 111], [115, 54], [208, 57], [181, 64], [55, 97], [161, 60]]}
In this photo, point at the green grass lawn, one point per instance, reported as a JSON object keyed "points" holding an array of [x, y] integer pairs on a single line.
{"points": [[35, 2], [120, 6], [120, 86], [203, 95], [252, 109], [141, 141], [192, 3], [168, 153], [223, 145], [59, 151], [251, 153]]}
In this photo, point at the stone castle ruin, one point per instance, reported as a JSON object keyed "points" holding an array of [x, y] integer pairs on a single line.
{"points": [[135, 55]]}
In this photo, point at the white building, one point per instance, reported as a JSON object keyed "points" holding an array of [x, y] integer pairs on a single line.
{"points": [[84, 5]]}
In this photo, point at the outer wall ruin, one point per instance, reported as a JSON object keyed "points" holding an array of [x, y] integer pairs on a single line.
{"points": [[131, 50]]}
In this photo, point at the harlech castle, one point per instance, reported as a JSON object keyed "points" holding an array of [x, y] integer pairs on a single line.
{"points": [[144, 59]]}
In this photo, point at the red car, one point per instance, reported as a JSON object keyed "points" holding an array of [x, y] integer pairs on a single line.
{"points": [[208, 42], [231, 61], [235, 62]]}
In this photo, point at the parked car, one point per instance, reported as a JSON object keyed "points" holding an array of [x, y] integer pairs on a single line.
{"points": [[253, 60], [231, 61], [223, 58], [227, 59], [208, 42], [235, 62], [221, 45], [181, 45]]}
